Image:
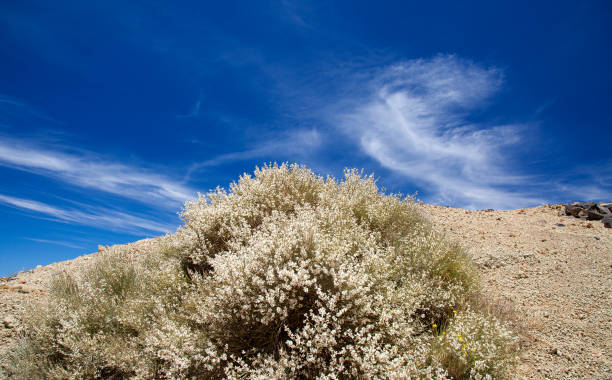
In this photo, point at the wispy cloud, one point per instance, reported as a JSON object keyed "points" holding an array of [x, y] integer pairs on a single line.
{"points": [[88, 170], [14, 110], [414, 122], [56, 242], [100, 217], [290, 145], [582, 182]]}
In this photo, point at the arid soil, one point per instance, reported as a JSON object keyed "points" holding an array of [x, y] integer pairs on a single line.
{"points": [[549, 273], [555, 271]]}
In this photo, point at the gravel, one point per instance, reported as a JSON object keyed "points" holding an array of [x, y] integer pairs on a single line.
{"points": [[555, 272], [552, 274]]}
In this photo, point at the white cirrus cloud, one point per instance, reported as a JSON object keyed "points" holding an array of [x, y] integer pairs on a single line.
{"points": [[88, 170], [414, 122], [100, 217], [289, 145], [56, 242]]}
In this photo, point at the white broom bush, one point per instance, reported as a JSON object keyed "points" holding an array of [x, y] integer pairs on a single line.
{"points": [[286, 275]]}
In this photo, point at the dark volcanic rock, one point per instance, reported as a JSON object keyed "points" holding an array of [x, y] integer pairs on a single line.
{"points": [[591, 211], [604, 210], [572, 210], [593, 214]]}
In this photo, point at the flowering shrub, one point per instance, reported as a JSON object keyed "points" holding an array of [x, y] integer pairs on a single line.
{"points": [[286, 275], [475, 346]]}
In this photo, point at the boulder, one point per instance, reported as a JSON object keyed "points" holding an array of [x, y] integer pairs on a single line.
{"points": [[593, 214], [604, 210], [572, 210], [607, 222]]}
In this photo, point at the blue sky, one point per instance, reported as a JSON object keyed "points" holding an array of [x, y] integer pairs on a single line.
{"points": [[113, 113]]}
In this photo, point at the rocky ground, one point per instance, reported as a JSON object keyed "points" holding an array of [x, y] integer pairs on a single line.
{"points": [[550, 273], [555, 271]]}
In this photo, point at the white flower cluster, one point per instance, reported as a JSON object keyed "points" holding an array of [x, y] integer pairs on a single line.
{"points": [[287, 275]]}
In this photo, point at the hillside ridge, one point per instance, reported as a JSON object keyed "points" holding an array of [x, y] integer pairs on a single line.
{"points": [[551, 274]]}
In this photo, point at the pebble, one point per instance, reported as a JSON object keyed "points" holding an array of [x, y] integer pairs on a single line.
{"points": [[9, 322]]}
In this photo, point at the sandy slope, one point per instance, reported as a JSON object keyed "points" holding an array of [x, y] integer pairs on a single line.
{"points": [[554, 271]]}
